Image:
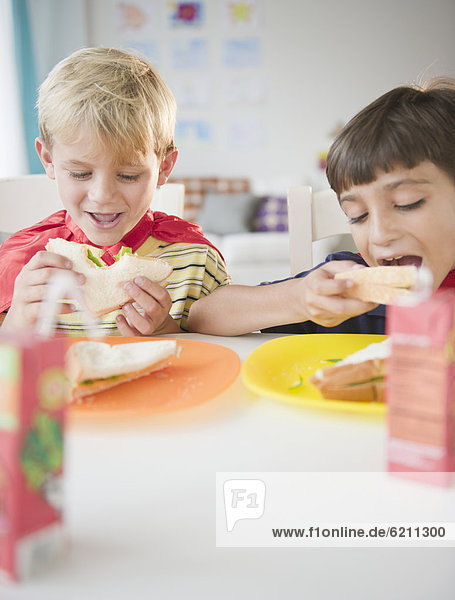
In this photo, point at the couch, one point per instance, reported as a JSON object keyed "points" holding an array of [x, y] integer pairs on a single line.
{"points": [[233, 219]]}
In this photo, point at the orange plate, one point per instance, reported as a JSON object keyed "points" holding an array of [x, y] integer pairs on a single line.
{"points": [[202, 371]]}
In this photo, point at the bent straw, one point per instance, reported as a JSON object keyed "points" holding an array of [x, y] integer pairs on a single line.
{"points": [[60, 285]]}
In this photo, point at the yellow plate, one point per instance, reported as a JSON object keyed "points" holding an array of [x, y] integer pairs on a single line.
{"points": [[276, 368]]}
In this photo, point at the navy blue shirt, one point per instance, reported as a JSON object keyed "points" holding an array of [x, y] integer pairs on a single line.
{"points": [[371, 322]]}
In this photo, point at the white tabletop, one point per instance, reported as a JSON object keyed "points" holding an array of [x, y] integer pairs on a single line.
{"points": [[140, 504]]}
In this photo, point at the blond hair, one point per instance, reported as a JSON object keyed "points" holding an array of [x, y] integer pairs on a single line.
{"points": [[115, 95]]}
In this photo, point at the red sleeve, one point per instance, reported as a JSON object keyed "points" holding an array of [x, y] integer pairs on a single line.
{"points": [[18, 249]]}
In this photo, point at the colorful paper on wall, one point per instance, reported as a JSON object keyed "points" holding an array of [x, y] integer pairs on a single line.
{"points": [[242, 15], [243, 87], [189, 53], [245, 132], [193, 133], [186, 14], [239, 53], [139, 17], [191, 89]]}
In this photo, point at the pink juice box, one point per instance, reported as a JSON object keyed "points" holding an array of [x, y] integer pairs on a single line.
{"points": [[420, 389], [33, 396]]}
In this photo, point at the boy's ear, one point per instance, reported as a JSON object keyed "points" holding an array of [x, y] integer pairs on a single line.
{"points": [[166, 166], [45, 157]]}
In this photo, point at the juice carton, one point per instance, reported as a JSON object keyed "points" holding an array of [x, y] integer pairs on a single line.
{"points": [[420, 390], [33, 395]]}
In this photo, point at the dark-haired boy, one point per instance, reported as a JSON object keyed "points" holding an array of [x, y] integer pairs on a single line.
{"points": [[393, 169]]}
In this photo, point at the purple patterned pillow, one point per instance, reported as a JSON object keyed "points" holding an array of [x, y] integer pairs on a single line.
{"points": [[271, 215]]}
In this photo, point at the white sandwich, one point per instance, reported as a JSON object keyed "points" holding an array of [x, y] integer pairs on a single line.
{"points": [[382, 285], [96, 366], [103, 289], [358, 377]]}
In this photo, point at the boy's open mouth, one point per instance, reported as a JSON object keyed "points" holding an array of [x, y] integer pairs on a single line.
{"points": [[415, 261], [104, 219]]}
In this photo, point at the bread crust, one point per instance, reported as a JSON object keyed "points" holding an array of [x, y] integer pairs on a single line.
{"points": [[81, 390], [93, 367], [392, 276], [381, 285], [367, 392], [379, 294], [358, 382]]}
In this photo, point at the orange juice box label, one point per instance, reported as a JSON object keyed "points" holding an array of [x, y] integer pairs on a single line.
{"points": [[420, 387], [33, 393]]}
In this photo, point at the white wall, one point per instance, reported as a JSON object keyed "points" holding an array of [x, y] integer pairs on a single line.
{"points": [[321, 63], [58, 28], [13, 160]]}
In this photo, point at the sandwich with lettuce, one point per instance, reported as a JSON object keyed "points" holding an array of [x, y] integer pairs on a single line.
{"points": [[93, 367], [103, 289], [358, 377]]}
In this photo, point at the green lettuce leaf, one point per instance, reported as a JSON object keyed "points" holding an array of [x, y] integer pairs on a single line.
{"points": [[123, 250], [94, 258]]}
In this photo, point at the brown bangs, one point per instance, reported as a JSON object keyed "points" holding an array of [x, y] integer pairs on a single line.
{"points": [[401, 129]]}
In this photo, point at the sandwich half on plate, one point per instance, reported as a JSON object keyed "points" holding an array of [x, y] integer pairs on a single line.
{"points": [[93, 367], [358, 377]]}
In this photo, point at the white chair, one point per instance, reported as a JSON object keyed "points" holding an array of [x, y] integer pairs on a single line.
{"points": [[27, 199], [312, 217], [170, 198]]}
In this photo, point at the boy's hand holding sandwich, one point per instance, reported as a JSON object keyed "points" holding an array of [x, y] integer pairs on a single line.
{"points": [[133, 282], [144, 300], [29, 290], [339, 290], [149, 313], [328, 299]]}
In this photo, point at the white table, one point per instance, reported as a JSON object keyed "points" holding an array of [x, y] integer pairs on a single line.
{"points": [[141, 508]]}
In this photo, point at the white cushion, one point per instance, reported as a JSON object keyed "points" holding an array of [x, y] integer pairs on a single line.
{"points": [[253, 247], [256, 273]]}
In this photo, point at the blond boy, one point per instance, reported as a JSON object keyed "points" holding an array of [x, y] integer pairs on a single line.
{"points": [[106, 122]]}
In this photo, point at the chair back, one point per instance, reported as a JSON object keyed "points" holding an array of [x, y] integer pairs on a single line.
{"points": [[170, 198], [312, 217], [27, 199]]}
